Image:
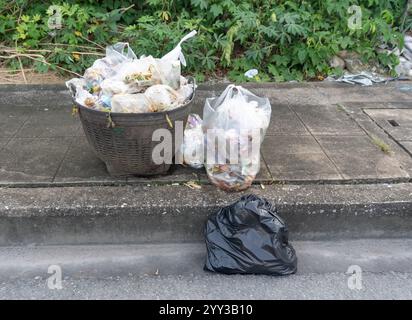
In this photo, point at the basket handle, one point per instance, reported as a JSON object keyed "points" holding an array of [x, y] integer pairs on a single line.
{"points": [[72, 89]]}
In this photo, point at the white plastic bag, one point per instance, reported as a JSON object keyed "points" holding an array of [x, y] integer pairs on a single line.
{"points": [[169, 64], [193, 142], [239, 119], [176, 53]]}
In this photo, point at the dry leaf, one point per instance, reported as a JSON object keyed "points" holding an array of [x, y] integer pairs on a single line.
{"points": [[193, 185]]}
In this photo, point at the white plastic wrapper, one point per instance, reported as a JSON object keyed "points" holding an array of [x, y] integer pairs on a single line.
{"points": [[193, 142], [130, 103], [239, 120]]}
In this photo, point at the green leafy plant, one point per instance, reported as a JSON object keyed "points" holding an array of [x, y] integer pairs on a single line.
{"points": [[285, 40]]}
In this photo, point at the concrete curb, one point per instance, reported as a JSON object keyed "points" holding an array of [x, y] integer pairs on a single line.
{"points": [[158, 214]]}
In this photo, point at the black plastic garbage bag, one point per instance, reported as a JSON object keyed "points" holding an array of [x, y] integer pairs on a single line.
{"points": [[248, 237]]}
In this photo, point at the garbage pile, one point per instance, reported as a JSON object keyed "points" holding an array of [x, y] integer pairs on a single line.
{"points": [[121, 82], [228, 141]]}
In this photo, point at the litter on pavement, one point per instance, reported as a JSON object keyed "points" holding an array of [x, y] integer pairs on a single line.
{"points": [[364, 78]]}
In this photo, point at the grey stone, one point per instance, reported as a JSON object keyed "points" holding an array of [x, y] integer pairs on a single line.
{"points": [[293, 95], [35, 95], [337, 62], [296, 157]]}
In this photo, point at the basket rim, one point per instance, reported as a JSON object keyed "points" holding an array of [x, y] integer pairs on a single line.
{"points": [[133, 114], [141, 114]]}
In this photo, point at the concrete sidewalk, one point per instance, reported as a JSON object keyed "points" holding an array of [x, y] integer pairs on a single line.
{"points": [[319, 133], [336, 162]]}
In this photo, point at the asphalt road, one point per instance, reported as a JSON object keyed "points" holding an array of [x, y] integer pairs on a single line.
{"points": [[174, 271], [389, 285]]}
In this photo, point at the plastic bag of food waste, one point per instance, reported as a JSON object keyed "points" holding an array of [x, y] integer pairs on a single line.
{"points": [[130, 103], [193, 142], [235, 124], [105, 67], [85, 98], [169, 64], [161, 97], [112, 86], [141, 72], [249, 237], [88, 100]]}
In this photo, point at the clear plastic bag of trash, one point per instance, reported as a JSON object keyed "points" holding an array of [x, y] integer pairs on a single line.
{"points": [[248, 237], [193, 142], [235, 124]]}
